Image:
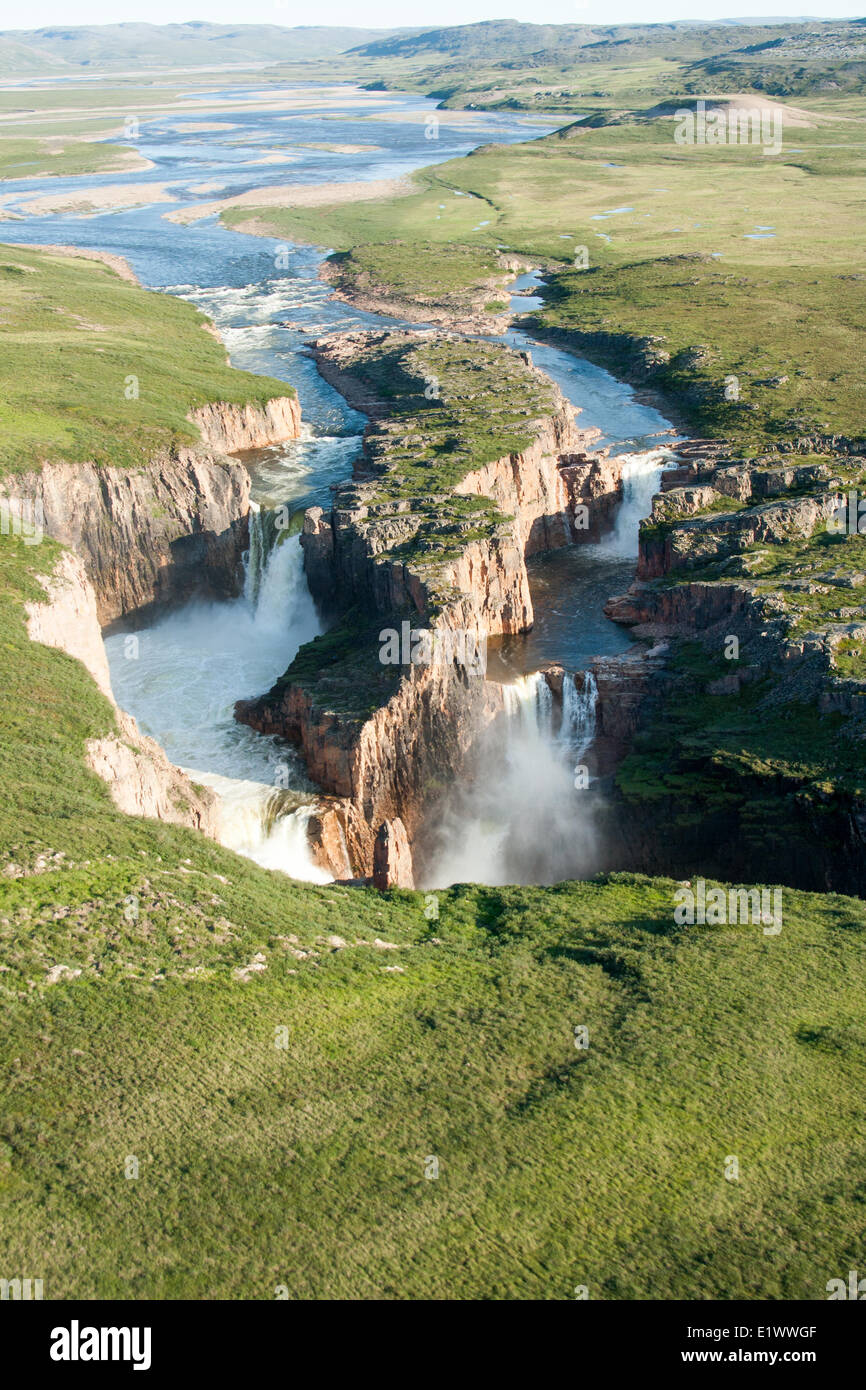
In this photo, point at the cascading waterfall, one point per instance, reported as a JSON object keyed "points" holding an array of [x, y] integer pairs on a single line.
{"points": [[641, 478], [578, 714], [194, 664], [528, 705], [257, 555], [256, 819], [529, 816]]}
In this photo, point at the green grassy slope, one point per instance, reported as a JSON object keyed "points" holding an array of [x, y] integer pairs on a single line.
{"points": [[73, 336], [305, 1166]]}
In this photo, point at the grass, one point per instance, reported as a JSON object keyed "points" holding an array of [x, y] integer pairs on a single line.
{"points": [[424, 279], [34, 158], [75, 343], [261, 1166], [676, 269], [453, 406]]}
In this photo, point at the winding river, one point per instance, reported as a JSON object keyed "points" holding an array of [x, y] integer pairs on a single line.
{"points": [[267, 301]]}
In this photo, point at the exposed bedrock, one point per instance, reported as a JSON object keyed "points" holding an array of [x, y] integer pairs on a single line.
{"points": [[702, 540], [375, 553], [150, 538], [721, 798], [231, 428], [154, 537]]}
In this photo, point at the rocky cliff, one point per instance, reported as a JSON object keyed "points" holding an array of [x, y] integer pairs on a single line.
{"points": [[745, 755], [149, 538], [230, 429], [154, 537], [471, 462], [140, 777]]}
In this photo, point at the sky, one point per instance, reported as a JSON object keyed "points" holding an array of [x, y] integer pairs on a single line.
{"points": [[396, 13]]}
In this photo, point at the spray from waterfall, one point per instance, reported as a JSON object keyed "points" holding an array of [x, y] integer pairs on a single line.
{"points": [[524, 817], [529, 814]]}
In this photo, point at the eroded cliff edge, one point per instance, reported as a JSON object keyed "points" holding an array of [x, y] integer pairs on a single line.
{"points": [[140, 777], [471, 462], [155, 536]]}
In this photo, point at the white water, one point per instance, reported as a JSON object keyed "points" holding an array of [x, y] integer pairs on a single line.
{"points": [[521, 820], [528, 817], [641, 479], [181, 679]]}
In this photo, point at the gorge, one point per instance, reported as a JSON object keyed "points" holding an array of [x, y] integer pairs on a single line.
{"points": [[222, 596]]}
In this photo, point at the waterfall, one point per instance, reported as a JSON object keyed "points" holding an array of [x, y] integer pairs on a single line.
{"points": [[254, 823], [528, 706], [578, 714], [641, 480], [196, 662], [257, 555], [521, 818], [257, 820]]}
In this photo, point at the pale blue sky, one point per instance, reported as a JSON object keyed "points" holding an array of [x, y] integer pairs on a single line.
{"points": [[393, 13]]}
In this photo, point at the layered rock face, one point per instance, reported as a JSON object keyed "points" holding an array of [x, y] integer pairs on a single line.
{"points": [[704, 539], [451, 567], [556, 492], [764, 599], [149, 538], [230, 429], [154, 537], [141, 779], [140, 541]]}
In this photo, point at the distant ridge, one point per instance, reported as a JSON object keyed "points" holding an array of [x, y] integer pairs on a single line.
{"points": [[197, 42]]}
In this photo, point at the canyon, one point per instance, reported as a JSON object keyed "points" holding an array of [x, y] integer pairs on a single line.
{"points": [[140, 777], [383, 745], [139, 543]]}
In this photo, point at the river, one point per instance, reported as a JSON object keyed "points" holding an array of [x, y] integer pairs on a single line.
{"points": [[267, 301]]}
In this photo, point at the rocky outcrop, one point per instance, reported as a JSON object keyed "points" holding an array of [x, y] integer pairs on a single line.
{"points": [[177, 528], [140, 777], [461, 310], [771, 631], [624, 684], [557, 493], [392, 857], [143, 782], [701, 540], [386, 766], [230, 429]]}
